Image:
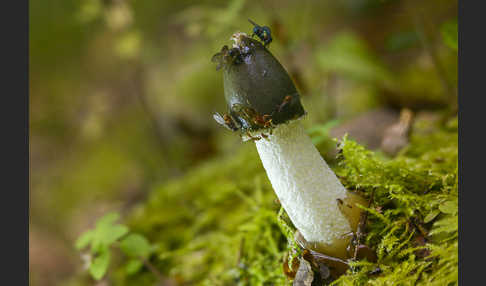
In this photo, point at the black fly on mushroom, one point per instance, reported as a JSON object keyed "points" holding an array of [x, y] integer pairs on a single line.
{"points": [[264, 103], [226, 120]]}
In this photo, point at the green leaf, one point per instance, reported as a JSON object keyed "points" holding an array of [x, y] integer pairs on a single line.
{"points": [[319, 139], [133, 266], [106, 233], [323, 128], [107, 219], [449, 207], [100, 264], [84, 239], [113, 233], [448, 224], [136, 245], [320, 133], [431, 216], [449, 34]]}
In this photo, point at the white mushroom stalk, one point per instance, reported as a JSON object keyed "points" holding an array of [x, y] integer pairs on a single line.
{"points": [[265, 106], [304, 184], [307, 188]]}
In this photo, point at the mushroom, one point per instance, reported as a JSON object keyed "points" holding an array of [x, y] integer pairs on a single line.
{"points": [[265, 107]]}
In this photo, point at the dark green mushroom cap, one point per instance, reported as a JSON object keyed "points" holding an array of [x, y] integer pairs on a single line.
{"points": [[258, 90]]}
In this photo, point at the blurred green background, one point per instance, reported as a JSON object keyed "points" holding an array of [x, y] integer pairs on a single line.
{"points": [[122, 92]]}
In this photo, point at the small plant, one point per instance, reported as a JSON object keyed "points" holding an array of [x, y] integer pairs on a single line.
{"points": [[107, 235]]}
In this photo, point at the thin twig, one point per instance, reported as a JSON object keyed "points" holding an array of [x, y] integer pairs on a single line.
{"points": [[240, 252], [361, 226]]}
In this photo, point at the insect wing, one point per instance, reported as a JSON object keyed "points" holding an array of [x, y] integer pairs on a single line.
{"points": [[219, 118], [218, 58]]}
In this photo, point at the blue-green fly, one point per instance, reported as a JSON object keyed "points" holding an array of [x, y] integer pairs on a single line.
{"points": [[263, 33]]}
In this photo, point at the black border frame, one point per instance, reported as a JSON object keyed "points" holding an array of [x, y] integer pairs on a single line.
{"points": [[14, 118], [471, 143]]}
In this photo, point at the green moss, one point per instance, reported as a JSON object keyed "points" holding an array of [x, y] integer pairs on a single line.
{"points": [[203, 222], [413, 193], [218, 225]]}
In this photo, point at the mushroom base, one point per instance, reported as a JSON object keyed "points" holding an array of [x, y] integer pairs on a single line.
{"points": [[339, 247]]}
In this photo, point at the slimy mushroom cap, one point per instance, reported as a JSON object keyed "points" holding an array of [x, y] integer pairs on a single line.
{"points": [[258, 90]]}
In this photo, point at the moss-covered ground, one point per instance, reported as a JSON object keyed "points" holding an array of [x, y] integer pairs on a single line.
{"points": [[218, 224]]}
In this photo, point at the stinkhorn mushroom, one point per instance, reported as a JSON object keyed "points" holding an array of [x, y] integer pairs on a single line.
{"points": [[265, 107]]}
